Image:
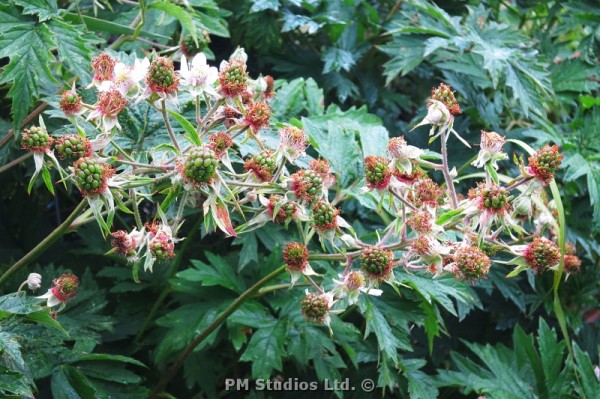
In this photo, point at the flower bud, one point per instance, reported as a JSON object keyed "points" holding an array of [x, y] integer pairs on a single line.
{"points": [[34, 281]]}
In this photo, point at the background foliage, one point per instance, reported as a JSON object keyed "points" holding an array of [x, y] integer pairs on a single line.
{"points": [[526, 69]]}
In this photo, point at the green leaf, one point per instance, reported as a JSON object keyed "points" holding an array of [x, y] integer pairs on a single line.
{"points": [[420, 385], [449, 216], [218, 273], [107, 357], [336, 59], [265, 350], [338, 146], [75, 47], [16, 304], [100, 25], [590, 386], [47, 179], [44, 9], [43, 317], [29, 50], [190, 132], [178, 12], [377, 323]]}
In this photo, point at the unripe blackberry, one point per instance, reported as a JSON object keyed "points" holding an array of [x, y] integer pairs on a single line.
{"points": [[493, 198], [257, 115], [544, 163], [376, 262], [200, 165], [70, 102], [220, 142], [161, 246], [36, 139], [286, 210], [572, 264], [541, 254], [233, 77], [409, 178], [324, 216], [377, 172], [444, 94], [425, 191], [189, 47], [161, 77], [315, 308], [306, 184], [263, 165], [72, 147], [295, 256], [471, 263], [420, 222], [65, 287], [91, 175]]}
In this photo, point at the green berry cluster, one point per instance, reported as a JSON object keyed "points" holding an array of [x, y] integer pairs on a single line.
{"points": [[91, 175], [36, 139], [377, 172], [472, 263], [161, 76], [376, 262], [541, 254], [262, 165], [314, 308], [306, 184], [190, 47], [324, 215], [200, 165], [72, 147], [494, 198]]}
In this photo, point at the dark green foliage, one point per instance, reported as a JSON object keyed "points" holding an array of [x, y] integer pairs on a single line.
{"points": [[350, 73]]}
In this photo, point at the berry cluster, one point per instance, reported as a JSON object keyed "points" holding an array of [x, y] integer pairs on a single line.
{"points": [[324, 216], [200, 165], [71, 147], [91, 175], [262, 165], [376, 262], [544, 163], [36, 139]]}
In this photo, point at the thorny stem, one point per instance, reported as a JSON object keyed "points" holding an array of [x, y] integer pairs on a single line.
{"points": [[446, 171], [45, 243], [136, 211], [168, 125], [14, 162], [518, 183], [315, 285], [431, 164], [405, 202], [249, 293]]}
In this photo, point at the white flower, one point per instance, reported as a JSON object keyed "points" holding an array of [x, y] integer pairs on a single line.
{"points": [[198, 75], [34, 281], [126, 78], [402, 153], [491, 150], [51, 299]]}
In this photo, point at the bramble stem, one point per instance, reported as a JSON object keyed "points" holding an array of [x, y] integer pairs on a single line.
{"points": [[405, 202], [14, 162], [446, 172], [518, 183], [249, 293], [163, 110], [167, 289], [45, 243]]}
